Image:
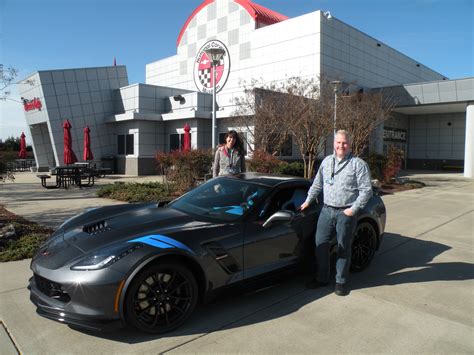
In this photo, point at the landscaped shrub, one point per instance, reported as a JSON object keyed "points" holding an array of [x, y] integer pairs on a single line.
{"points": [[23, 248], [184, 168], [136, 192], [394, 163], [263, 162], [6, 157], [377, 163], [292, 169], [26, 238]]}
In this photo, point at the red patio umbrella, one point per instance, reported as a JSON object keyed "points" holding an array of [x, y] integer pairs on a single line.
{"points": [[69, 156], [22, 153], [187, 138], [87, 145]]}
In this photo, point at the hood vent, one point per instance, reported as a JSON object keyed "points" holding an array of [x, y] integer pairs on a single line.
{"points": [[96, 228]]}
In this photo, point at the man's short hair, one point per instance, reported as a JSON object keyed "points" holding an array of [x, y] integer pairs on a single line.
{"points": [[343, 132]]}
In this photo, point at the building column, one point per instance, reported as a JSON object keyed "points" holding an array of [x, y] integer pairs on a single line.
{"points": [[469, 142]]}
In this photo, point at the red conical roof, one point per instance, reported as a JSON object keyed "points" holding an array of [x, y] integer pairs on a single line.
{"points": [[259, 13]]}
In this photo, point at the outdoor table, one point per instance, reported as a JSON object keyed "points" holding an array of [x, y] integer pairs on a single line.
{"points": [[67, 175], [83, 164], [22, 164]]}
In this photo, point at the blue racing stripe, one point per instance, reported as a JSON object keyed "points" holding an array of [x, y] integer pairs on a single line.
{"points": [[161, 241]]}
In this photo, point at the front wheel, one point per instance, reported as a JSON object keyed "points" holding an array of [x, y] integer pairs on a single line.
{"points": [[363, 246], [161, 297]]}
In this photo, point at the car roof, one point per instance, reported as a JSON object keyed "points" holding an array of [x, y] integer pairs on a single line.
{"points": [[267, 179]]}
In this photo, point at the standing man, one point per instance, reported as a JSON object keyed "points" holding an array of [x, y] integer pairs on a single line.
{"points": [[346, 184]]}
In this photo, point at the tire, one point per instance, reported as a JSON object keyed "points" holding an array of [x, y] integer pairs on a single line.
{"points": [[161, 298], [363, 246]]}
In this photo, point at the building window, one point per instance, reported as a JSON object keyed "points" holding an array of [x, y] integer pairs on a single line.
{"points": [[129, 144], [243, 136], [125, 144], [286, 149], [176, 141]]}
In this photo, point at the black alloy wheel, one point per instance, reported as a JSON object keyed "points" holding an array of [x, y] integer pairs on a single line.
{"points": [[161, 297], [363, 246]]}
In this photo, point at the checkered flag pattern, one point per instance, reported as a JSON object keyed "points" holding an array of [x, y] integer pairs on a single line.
{"points": [[205, 75]]}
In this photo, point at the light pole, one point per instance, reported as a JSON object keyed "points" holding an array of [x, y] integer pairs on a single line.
{"points": [[336, 84], [215, 55]]}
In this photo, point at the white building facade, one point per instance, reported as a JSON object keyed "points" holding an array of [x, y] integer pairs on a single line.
{"points": [[130, 123]]}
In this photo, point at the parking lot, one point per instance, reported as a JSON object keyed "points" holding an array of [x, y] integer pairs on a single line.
{"points": [[416, 297]]}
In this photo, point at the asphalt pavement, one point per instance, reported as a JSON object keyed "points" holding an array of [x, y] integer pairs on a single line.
{"points": [[416, 297]]}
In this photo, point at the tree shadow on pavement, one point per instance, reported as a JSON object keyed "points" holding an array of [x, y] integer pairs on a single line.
{"points": [[289, 295]]}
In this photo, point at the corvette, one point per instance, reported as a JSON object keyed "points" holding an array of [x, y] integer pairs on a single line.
{"points": [[148, 265]]}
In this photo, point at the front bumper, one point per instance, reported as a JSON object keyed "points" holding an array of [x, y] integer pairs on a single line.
{"points": [[63, 312]]}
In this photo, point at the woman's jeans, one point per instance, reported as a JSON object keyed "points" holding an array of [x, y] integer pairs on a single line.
{"points": [[333, 220]]}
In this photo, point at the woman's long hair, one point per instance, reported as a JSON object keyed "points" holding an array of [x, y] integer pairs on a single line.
{"points": [[239, 146]]}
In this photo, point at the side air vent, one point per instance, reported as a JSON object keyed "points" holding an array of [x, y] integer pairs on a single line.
{"points": [[220, 255], [96, 228]]}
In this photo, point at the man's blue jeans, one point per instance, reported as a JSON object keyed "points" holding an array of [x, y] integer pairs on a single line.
{"points": [[332, 221]]}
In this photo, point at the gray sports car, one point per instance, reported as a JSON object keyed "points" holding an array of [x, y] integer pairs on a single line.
{"points": [[148, 265]]}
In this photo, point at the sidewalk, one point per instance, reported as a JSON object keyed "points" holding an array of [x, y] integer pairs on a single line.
{"points": [[416, 297], [26, 197]]}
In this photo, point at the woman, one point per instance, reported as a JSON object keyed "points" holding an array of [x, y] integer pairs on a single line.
{"points": [[230, 157]]}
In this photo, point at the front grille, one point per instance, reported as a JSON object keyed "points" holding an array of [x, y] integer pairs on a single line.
{"points": [[51, 289]]}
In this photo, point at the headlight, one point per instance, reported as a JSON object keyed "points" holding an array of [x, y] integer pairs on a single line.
{"points": [[105, 257]]}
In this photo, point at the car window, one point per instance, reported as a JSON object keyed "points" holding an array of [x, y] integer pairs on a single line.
{"points": [[285, 199], [222, 198]]}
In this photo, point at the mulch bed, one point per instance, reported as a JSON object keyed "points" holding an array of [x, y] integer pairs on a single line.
{"points": [[7, 217], [400, 186]]}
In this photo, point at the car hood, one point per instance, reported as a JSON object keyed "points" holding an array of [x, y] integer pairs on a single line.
{"points": [[109, 225]]}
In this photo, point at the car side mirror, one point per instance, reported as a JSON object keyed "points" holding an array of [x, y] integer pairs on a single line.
{"points": [[283, 215]]}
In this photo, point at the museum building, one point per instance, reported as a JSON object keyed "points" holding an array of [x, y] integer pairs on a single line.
{"points": [[433, 121]]}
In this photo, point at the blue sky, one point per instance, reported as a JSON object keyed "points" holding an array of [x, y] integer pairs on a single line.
{"points": [[59, 34]]}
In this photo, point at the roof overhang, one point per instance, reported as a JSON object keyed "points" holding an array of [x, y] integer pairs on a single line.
{"points": [[186, 114], [432, 109], [134, 115]]}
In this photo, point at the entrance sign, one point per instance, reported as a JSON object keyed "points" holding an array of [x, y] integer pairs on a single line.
{"points": [[394, 134], [203, 75]]}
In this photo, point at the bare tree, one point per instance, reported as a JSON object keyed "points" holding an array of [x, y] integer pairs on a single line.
{"points": [[294, 107], [309, 113], [360, 113], [259, 111], [6, 79], [304, 109]]}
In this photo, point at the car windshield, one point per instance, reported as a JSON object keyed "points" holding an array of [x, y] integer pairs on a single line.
{"points": [[222, 198]]}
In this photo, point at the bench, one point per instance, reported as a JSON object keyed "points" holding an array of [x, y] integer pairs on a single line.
{"points": [[43, 178], [89, 176], [103, 171], [100, 172]]}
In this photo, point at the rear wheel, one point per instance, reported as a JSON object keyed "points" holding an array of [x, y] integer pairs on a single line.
{"points": [[363, 246], [161, 297]]}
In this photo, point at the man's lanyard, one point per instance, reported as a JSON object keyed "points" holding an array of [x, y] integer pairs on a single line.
{"points": [[333, 172]]}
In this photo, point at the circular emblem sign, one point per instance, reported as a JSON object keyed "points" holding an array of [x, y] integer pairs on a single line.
{"points": [[203, 69]]}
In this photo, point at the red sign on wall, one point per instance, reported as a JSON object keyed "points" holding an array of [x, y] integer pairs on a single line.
{"points": [[30, 105]]}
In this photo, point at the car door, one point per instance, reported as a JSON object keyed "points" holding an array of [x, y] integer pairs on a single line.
{"points": [[278, 245]]}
